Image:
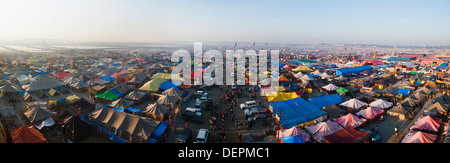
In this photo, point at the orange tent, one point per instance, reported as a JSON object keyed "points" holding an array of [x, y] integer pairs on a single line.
{"points": [[282, 79], [27, 134]]}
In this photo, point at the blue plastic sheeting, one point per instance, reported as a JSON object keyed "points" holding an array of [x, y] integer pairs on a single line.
{"points": [[293, 139], [117, 93], [159, 130], [354, 70], [312, 75], [168, 85], [118, 109], [134, 110], [403, 91], [108, 78], [444, 65], [322, 101], [295, 111], [151, 140]]}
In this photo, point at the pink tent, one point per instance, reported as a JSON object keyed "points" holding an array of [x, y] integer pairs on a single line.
{"points": [[370, 113], [294, 131], [287, 67], [323, 129], [350, 120], [419, 137], [427, 123], [62, 75]]}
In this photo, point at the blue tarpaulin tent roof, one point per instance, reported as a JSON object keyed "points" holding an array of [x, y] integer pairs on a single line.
{"points": [[354, 70], [322, 101], [159, 130], [293, 139], [295, 111], [403, 91], [168, 85], [108, 78]]}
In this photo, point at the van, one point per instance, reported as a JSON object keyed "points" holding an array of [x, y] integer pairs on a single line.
{"points": [[248, 104]]}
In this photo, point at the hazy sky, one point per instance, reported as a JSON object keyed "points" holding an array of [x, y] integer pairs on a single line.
{"points": [[401, 22]]}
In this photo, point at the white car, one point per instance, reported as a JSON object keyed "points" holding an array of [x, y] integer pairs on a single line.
{"points": [[248, 105], [202, 136]]}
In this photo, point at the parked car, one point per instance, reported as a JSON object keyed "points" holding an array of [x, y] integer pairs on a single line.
{"points": [[202, 136], [185, 136]]}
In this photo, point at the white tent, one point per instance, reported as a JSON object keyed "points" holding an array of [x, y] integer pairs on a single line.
{"points": [[380, 103], [330, 87], [306, 77], [298, 75], [353, 103], [325, 75], [317, 72]]}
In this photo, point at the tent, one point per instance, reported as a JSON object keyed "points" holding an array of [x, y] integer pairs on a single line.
{"points": [[8, 89], [157, 111], [419, 137], [380, 103], [172, 92], [399, 111], [152, 85], [347, 135], [135, 96], [120, 104], [292, 139], [350, 120], [121, 89], [403, 91], [427, 123], [295, 112], [75, 129], [282, 79], [108, 96], [323, 101], [370, 113], [436, 109], [302, 68], [27, 134], [292, 132], [330, 87], [37, 114], [108, 78], [282, 96], [323, 128], [342, 90], [62, 75], [353, 104], [409, 102], [168, 101], [167, 85], [129, 127], [354, 70]]}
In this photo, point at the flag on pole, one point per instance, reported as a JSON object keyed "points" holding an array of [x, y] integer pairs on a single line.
{"points": [[253, 43], [235, 44]]}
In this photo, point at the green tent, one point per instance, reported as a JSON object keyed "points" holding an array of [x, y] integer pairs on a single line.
{"points": [[342, 90], [109, 95], [413, 72], [306, 60]]}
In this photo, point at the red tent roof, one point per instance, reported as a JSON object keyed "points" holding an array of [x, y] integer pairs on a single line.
{"points": [[427, 123], [27, 134], [62, 75], [419, 137], [350, 120], [347, 135]]}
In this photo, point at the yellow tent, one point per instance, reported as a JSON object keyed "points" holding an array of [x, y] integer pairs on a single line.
{"points": [[166, 76], [282, 96], [152, 85], [302, 68], [51, 92]]}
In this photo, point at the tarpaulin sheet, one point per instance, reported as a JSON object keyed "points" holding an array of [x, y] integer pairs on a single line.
{"points": [[322, 101], [295, 111]]}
